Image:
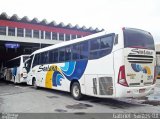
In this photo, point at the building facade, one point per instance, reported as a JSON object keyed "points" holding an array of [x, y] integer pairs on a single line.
{"points": [[23, 36]]}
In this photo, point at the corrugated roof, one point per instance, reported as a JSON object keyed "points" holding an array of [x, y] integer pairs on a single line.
{"points": [[44, 22]]}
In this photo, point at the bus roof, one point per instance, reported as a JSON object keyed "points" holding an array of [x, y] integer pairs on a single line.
{"points": [[18, 57]]}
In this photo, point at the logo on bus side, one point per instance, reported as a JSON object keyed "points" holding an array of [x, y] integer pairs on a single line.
{"points": [[140, 52], [72, 70], [47, 68]]}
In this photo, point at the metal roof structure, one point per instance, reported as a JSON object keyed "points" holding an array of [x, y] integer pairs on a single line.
{"points": [[44, 22]]}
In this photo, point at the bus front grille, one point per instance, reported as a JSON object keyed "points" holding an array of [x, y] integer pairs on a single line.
{"points": [[105, 86], [140, 59]]}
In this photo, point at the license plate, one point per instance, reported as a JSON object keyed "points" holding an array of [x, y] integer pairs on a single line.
{"points": [[141, 90]]}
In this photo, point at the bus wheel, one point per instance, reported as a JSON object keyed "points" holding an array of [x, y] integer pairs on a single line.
{"points": [[76, 91], [15, 80], [35, 84]]}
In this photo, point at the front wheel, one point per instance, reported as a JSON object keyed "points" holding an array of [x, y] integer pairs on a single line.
{"points": [[76, 91]]}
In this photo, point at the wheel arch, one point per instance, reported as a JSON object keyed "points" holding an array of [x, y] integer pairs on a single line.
{"points": [[33, 79]]}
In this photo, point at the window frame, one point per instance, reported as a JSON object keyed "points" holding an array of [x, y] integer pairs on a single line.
{"points": [[20, 32], [11, 31], [28, 33], [3, 30]]}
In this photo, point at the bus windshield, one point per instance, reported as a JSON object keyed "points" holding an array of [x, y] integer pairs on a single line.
{"points": [[136, 38]]}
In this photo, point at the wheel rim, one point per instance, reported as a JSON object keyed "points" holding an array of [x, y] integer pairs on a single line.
{"points": [[76, 91]]}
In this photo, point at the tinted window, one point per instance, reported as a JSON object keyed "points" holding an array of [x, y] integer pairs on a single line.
{"points": [[105, 42], [94, 55], [84, 50], [75, 52], [51, 56], [95, 44], [55, 55], [44, 58], [68, 53], [13, 63], [61, 54], [102, 46], [138, 39]]}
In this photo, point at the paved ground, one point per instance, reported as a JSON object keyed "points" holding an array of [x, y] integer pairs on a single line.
{"points": [[25, 99]]}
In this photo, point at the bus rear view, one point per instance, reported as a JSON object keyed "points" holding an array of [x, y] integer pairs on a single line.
{"points": [[136, 78]]}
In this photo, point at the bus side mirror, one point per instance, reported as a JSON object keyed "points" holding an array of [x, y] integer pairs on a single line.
{"points": [[116, 39]]}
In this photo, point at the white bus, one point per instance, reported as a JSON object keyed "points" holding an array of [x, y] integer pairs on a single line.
{"points": [[15, 71], [107, 65]]}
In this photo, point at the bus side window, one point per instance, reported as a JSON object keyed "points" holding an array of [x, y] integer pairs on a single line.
{"points": [[101, 46], [61, 54], [68, 52], [84, 50], [94, 44], [55, 57], [75, 52], [94, 47], [44, 58], [51, 56]]}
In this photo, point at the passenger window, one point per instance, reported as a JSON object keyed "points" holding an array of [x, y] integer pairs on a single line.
{"points": [[44, 58], [61, 54], [94, 55], [75, 52], [94, 44], [68, 53], [104, 46], [84, 50], [55, 57], [51, 56], [105, 42]]}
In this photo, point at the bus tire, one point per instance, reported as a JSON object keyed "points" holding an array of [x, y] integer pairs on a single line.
{"points": [[14, 80], [34, 83], [76, 91]]}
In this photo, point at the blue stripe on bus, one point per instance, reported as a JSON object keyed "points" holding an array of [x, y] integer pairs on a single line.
{"points": [[71, 70]]}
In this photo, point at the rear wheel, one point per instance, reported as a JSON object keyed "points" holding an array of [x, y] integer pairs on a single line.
{"points": [[34, 84], [76, 91], [14, 80]]}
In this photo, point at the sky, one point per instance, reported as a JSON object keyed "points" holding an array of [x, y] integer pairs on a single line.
{"points": [[102, 14]]}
